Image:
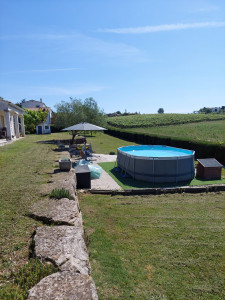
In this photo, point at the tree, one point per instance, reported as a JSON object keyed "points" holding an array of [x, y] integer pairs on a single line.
{"points": [[205, 110], [34, 117], [76, 111], [160, 111], [21, 102]]}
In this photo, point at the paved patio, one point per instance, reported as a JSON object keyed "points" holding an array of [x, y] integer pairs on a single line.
{"points": [[105, 182]]}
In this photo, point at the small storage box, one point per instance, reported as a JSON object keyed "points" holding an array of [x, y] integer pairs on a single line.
{"points": [[65, 165], [83, 175], [209, 168]]}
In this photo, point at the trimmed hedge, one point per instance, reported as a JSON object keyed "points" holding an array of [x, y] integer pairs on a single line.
{"points": [[202, 149]]}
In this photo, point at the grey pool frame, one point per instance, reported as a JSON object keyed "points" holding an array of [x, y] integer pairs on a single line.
{"points": [[157, 169]]}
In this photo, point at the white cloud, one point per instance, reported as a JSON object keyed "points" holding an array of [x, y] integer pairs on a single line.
{"points": [[167, 27]]}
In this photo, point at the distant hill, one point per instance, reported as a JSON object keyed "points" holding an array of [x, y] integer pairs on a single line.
{"points": [[152, 120]]}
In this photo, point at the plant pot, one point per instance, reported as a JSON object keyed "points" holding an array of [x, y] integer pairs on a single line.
{"points": [[65, 165]]}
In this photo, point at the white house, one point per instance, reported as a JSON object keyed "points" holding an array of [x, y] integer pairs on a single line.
{"points": [[11, 120], [45, 127], [215, 109]]}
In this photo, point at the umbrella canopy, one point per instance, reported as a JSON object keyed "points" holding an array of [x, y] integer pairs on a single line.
{"points": [[84, 127]]}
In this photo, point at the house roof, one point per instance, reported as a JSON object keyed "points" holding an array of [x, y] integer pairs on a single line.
{"points": [[209, 162], [13, 105]]}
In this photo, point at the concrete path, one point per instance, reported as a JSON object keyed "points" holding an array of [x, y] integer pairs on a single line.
{"points": [[105, 182]]}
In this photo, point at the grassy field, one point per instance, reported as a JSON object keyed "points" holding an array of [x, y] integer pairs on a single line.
{"points": [[27, 163], [130, 183], [213, 131], [24, 166], [152, 120], [103, 143], [156, 247]]}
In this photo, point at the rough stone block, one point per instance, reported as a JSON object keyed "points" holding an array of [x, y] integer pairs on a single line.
{"points": [[64, 246], [60, 212], [65, 285], [66, 180]]}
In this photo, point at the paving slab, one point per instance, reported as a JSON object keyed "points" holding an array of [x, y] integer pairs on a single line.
{"points": [[65, 285], [59, 212], [105, 182], [64, 246]]}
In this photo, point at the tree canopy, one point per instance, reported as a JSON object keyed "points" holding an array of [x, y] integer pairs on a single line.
{"points": [[34, 117], [76, 111], [160, 111]]}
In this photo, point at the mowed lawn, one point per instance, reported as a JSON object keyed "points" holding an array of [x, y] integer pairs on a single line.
{"points": [[24, 166], [168, 247], [212, 131], [156, 247]]}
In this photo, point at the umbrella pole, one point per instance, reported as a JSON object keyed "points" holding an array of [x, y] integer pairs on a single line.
{"points": [[74, 133]]}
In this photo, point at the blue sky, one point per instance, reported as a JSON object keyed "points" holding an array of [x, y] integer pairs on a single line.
{"points": [[134, 55]]}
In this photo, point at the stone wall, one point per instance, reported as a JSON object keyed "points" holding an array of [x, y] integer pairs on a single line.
{"points": [[61, 244]]}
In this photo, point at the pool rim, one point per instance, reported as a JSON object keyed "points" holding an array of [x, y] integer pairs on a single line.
{"points": [[157, 157]]}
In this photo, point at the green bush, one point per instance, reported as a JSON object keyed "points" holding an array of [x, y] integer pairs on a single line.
{"points": [[60, 193]]}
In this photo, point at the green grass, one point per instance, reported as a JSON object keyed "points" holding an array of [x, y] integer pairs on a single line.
{"points": [[204, 131], [156, 247], [24, 279], [152, 120], [24, 166], [130, 183], [60, 193], [104, 143]]}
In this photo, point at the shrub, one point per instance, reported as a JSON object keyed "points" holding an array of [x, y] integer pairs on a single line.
{"points": [[60, 193]]}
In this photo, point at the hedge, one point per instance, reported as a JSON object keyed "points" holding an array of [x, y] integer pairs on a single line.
{"points": [[202, 149]]}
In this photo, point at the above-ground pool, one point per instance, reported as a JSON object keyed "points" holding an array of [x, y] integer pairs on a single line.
{"points": [[154, 163]]}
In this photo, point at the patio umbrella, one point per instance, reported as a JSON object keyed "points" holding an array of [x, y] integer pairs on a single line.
{"points": [[83, 127]]}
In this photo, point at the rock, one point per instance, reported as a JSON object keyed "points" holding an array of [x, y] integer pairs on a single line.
{"points": [[64, 246], [65, 285], [66, 180], [60, 212]]}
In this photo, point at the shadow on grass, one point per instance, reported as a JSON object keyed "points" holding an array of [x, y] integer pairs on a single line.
{"points": [[47, 142]]}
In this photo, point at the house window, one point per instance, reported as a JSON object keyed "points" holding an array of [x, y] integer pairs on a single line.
{"points": [[46, 127]]}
